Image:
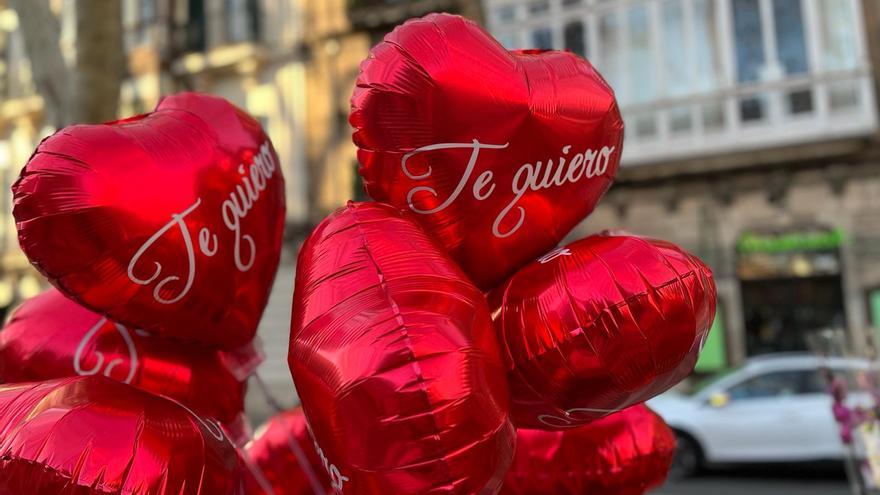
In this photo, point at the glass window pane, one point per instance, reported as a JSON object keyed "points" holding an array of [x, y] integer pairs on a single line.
{"points": [[646, 126], [713, 117], [790, 41], [542, 38], [775, 384], [839, 48], [609, 34], [642, 73], [680, 120], [800, 101], [843, 96], [506, 13], [706, 44], [674, 61], [752, 109], [539, 7], [574, 38], [749, 40], [508, 40]]}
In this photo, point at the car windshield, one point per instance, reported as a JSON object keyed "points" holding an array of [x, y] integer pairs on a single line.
{"points": [[709, 381]]}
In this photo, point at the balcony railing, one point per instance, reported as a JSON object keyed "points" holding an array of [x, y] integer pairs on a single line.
{"points": [[807, 109], [708, 77]]}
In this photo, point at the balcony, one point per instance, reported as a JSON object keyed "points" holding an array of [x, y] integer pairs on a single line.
{"points": [[385, 14], [703, 78]]}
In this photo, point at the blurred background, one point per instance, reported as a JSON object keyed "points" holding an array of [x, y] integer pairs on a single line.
{"points": [[752, 132]]}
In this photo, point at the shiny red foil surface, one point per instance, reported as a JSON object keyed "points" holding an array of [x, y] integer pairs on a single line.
{"points": [[50, 336], [393, 355], [95, 436], [274, 463], [626, 453], [603, 323], [169, 221], [498, 154]]}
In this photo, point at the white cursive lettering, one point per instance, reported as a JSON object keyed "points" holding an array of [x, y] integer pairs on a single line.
{"points": [[337, 480], [176, 220], [529, 177], [99, 356], [253, 180], [552, 255], [568, 421], [212, 426]]}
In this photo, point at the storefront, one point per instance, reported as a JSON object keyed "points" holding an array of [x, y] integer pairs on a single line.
{"points": [[791, 288]]}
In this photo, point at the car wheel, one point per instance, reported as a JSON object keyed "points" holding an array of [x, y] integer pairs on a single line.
{"points": [[688, 457]]}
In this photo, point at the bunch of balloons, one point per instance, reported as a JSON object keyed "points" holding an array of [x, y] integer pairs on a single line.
{"points": [[441, 340], [161, 234]]}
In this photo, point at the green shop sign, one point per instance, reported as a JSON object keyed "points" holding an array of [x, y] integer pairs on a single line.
{"points": [[791, 241]]}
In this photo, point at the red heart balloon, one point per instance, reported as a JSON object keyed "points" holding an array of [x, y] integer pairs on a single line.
{"points": [[627, 453], [282, 459], [50, 336], [170, 221], [94, 436], [601, 324], [393, 354], [499, 154]]}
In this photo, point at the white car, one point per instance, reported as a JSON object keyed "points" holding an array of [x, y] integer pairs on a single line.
{"points": [[771, 409]]}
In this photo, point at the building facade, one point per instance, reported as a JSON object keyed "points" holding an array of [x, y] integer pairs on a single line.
{"points": [[752, 140]]}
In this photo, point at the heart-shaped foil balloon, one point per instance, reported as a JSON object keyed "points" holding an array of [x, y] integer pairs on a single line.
{"points": [[626, 453], [50, 336], [94, 436], [601, 324], [282, 460], [499, 154], [170, 221], [393, 354]]}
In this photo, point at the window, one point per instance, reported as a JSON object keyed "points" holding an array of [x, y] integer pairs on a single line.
{"points": [[843, 96], [138, 18], [195, 29], [680, 120], [706, 46], [675, 48], [242, 20], [539, 8], [646, 126], [508, 40], [713, 117], [574, 38], [506, 13], [778, 384], [749, 40], [800, 101], [790, 42], [752, 109], [642, 70], [839, 47], [612, 53], [542, 38]]}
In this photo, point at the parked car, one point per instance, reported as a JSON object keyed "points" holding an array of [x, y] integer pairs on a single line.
{"points": [[773, 408]]}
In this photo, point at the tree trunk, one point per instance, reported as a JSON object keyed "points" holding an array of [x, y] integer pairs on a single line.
{"points": [[40, 29], [89, 92], [100, 61]]}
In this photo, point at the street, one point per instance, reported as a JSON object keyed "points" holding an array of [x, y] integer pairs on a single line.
{"points": [[763, 481]]}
